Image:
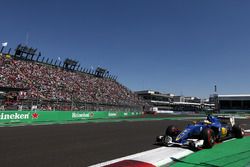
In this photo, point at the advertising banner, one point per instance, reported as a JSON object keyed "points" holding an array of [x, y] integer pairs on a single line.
{"points": [[29, 117]]}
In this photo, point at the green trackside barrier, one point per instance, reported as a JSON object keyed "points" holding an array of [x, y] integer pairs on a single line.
{"points": [[29, 117]]}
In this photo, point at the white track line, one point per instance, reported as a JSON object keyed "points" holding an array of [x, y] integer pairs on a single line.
{"points": [[228, 140], [158, 157]]}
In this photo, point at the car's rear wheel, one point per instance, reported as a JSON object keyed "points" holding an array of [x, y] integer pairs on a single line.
{"points": [[208, 137], [238, 131]]}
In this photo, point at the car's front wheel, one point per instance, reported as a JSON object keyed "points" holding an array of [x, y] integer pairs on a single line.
{"points": [[208, 137], [167, 140], [171, 131]]}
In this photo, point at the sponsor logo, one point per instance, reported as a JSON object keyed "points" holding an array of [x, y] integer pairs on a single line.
{"points": [[112, 114], [91, 114], [15, 116], [183, 133], [82, 115], [35, 115]]}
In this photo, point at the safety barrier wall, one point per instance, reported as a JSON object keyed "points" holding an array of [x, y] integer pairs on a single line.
{"points": [[29, 117]]}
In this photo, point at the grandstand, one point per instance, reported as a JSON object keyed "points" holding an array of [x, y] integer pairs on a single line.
{"points": [[233, 103], [169, 103], [28, 81]]}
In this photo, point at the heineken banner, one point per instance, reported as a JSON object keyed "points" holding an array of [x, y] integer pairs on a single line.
{"points": [[59, 116]]}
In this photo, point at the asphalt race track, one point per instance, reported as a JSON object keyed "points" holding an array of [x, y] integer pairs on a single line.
{"points": [[76, 145]]}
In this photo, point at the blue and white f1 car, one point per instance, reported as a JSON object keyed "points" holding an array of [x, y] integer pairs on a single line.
{"points": [[201, 134]]}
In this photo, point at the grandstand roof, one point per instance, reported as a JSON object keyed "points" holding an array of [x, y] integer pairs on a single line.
{"points": [[234, 97], [152, 93], [237, 95]]}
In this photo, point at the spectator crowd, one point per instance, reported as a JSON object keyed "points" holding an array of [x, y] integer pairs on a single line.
{"points": [[44, 82]]}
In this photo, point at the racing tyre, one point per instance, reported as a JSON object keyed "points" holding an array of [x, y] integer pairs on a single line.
{"points": [[238, 131], [159, 139], [192, 146], [171, 131], [208, 137], [167, 141]]}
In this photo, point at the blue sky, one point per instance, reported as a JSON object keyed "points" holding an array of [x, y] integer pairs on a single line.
{"points": [[179, 46]]}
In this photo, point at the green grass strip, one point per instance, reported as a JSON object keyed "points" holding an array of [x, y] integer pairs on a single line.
{"points": [[235, 153]]}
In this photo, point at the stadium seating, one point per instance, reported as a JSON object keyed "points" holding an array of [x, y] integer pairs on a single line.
{"points": [[50, 83]]}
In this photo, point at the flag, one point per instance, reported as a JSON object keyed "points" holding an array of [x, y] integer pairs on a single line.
{"points": [[4, 44]]}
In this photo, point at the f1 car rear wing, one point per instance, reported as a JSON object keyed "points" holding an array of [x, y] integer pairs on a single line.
{"points": [[230, 118]]}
